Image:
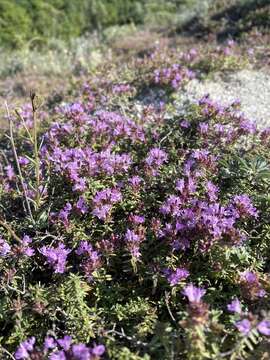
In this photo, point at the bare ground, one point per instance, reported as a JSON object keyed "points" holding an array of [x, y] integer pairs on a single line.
{"points": [[251, 87]]}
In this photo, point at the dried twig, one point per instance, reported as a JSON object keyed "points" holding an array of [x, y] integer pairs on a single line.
{"points": [[17, 162], [5, 225], [36, 150], [129, 338], [168, 306], [7, 352]]}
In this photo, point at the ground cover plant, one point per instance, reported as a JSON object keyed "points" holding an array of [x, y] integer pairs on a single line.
{"points": [[134, 221], [130, 228]]}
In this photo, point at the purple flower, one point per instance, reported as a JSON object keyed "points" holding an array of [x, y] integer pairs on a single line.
{"points": [[59, 355], [21, 353], [102, 211], [4, 248], [81, 205], [137, 219], [180, 185], [204, 157], [193, 293], [203, 128], [261, 293], [172, 206], [65, 343], [103, 202], [23, 161], [56, 257], [49, 343], [186, 187], [133, 240], [64, 214], [264, 327], [156, 158], [231, 43], [227, 51], [91, 260], [212, 191], [234, 306], [10, 172], [98, 350], [61, 349], [244, 326], [250, 282], [107, 196], [249, 277], [80, 352], [25, 348], [75, 112], [180, 244], [132, 237], [175, 277], [265, 134], [84, 248], [121, 88], [247, 127], [135, 181], [244, 206], [26, 250], [173, 76], [79, 185], [185, 124], [188, 166]]}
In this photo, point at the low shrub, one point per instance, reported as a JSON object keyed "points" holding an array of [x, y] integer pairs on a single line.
{"points": [[130, 230]]}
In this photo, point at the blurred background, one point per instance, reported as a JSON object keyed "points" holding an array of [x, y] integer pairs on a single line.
{"points": [[42, 21], [46, 42]]}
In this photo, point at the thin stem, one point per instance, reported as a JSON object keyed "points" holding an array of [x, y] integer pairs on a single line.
{"points": [[36, 152], [24, 125], [168, 306], [17, 162], [123, 335], [7, 352], [9, 229]]}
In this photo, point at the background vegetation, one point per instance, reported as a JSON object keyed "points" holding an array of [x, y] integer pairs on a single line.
{"points": [[24, 20], [38, 21]]}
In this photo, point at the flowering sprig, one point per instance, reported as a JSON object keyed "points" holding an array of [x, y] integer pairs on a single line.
{"points": [[56, 257], [91, 259], [175, 277], [58, 349], [103, 202]]}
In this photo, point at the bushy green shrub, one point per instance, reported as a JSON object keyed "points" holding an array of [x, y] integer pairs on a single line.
{"points": [[43, 19], [15, 24]]}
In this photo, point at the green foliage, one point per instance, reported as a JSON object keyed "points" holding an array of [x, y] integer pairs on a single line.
{"points": [[39, 20], [15, 23], [76, 314]]}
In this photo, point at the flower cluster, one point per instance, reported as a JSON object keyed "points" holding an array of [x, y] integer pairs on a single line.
{"points": [[58, 349], [248, 321], [198, 310], [103, 202], [124, 206], [175, 277], [56, 257], [251, 286], [91, 259], [174, 76]]}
